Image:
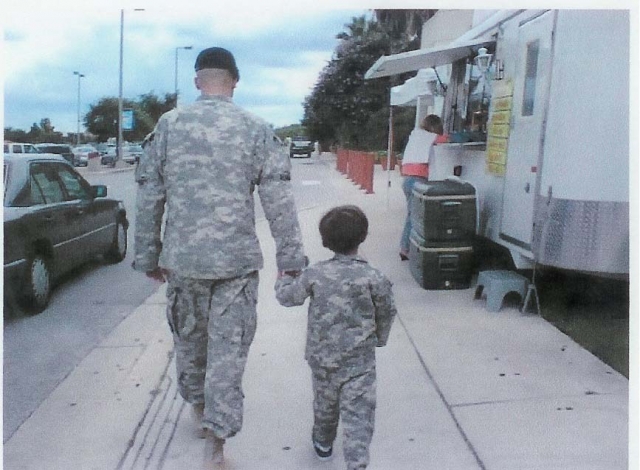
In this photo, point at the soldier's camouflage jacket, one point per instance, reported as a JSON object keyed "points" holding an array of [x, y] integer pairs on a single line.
{"points": [[351, 310], [201, 166]]}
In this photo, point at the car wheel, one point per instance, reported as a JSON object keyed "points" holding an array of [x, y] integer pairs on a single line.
{"points": [[309, 155], [37, 286], [118, 249]]}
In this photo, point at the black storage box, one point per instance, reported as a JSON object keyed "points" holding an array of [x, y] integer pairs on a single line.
{"points": [[444, 212], [435, 267]]}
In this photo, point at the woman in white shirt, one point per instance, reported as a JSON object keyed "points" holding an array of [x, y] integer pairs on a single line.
{"points": [[415, 167]]}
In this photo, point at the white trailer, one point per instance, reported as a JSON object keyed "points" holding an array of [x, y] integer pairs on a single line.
{"points": [[551, 163]]}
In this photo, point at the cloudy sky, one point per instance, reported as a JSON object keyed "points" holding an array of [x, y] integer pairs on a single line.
{"points": [[280, 49], [280, 46]]}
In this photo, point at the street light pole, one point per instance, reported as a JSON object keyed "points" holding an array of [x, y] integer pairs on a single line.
{"points": [[119, 143], [176, 70], [78, 130]]}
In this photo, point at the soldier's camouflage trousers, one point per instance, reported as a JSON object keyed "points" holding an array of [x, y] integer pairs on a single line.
{"points": [[213, 324], [341, 394]]}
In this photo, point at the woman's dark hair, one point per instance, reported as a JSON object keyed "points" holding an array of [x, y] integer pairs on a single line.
{"points": [[343, 228], [432, 123]]}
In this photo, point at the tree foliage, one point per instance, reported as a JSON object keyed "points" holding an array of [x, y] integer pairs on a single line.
{"points": [[43, 132], [102, 121], [102, 118], [407, 22], [15, 135], [345, 108], [291, 131]]}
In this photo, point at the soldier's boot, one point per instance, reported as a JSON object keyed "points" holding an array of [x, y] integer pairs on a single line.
{"points": [[213, 449], [197, 412]]}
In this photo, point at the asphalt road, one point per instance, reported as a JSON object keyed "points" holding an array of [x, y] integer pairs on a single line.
{"points": [[41, 350]]}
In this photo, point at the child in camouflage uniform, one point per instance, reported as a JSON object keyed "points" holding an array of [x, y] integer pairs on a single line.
{"points": [[350, 314]]}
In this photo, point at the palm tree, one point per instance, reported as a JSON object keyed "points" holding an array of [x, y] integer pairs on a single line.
{"points": [[407, 23], [358, 29]]}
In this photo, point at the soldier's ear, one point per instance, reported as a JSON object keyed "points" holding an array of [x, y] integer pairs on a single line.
{"points": [[196, 82]]}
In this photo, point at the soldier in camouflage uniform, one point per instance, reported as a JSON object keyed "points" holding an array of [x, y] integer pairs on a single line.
{"points": [[200, 167], [350, 314]]}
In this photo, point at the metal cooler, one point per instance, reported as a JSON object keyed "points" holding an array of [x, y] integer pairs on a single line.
{"points": [[443, 219], [444, 211]]}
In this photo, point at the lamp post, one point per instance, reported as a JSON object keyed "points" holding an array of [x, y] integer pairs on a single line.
{"points": [[176, 70], [80, 75], [119, 143]]}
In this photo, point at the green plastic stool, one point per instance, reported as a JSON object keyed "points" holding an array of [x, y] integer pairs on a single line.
{"points": [[494, 285]]}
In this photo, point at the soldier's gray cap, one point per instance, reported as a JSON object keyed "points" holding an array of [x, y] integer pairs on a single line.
{"points": [[217, 58]]}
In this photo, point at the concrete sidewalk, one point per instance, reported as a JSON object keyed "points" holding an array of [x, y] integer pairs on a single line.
{"points": [[458, 387]]}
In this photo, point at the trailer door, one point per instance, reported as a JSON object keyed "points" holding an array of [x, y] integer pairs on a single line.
{"points": [[530, 95]]}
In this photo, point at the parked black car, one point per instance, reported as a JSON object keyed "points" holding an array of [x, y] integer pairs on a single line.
{"points": [[58, 149], [108, 159], [54, 220]]}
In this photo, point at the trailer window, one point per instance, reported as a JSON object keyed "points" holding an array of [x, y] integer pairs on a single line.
{"points": [[466, 107], [531, 73]]}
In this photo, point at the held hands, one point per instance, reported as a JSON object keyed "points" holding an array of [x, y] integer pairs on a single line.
{"points": [[158, 274], [282, 274], [293, 273]]}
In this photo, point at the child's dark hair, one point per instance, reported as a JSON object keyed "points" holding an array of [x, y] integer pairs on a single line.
{"points": [[343, 228]]}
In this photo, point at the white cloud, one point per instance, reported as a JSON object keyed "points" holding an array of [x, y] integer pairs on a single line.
{"points": [[297, 81]]}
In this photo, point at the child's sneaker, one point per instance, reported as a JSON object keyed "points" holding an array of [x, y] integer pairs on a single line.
{"points": [[323, 452], [213, 449]]}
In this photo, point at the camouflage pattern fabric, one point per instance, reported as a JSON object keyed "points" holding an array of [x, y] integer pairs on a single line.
{"points": [[220, 314], [202, 164], [337, 393], [350, 313]]}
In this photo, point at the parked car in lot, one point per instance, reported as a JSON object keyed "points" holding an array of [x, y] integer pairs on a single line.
{"points": [[101, 147], [54, 220], [109, 156], [131, 153], [83, 153], [58, 149], [300, 145], [19, 148]]}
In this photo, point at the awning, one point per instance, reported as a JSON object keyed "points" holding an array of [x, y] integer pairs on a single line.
{"points": [[425, 58], [407, 94]]}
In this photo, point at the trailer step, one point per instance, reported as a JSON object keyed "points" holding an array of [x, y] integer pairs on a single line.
{"points": [[495, 285]]}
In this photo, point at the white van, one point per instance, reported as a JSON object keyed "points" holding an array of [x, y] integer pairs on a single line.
{"points": [[15, 147]]}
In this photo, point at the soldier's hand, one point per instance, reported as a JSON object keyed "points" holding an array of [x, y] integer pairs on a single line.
{"points": [[158, 274]]}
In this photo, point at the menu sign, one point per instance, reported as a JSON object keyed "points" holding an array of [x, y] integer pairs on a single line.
{"points": [[499, 128]]}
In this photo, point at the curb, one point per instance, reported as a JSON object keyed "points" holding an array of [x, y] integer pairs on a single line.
{"points": [[97, 412], [84, 171]]}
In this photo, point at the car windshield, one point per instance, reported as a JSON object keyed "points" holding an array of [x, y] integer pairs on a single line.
{"points": [[58, 149], [135, 148], [300, 138]]}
